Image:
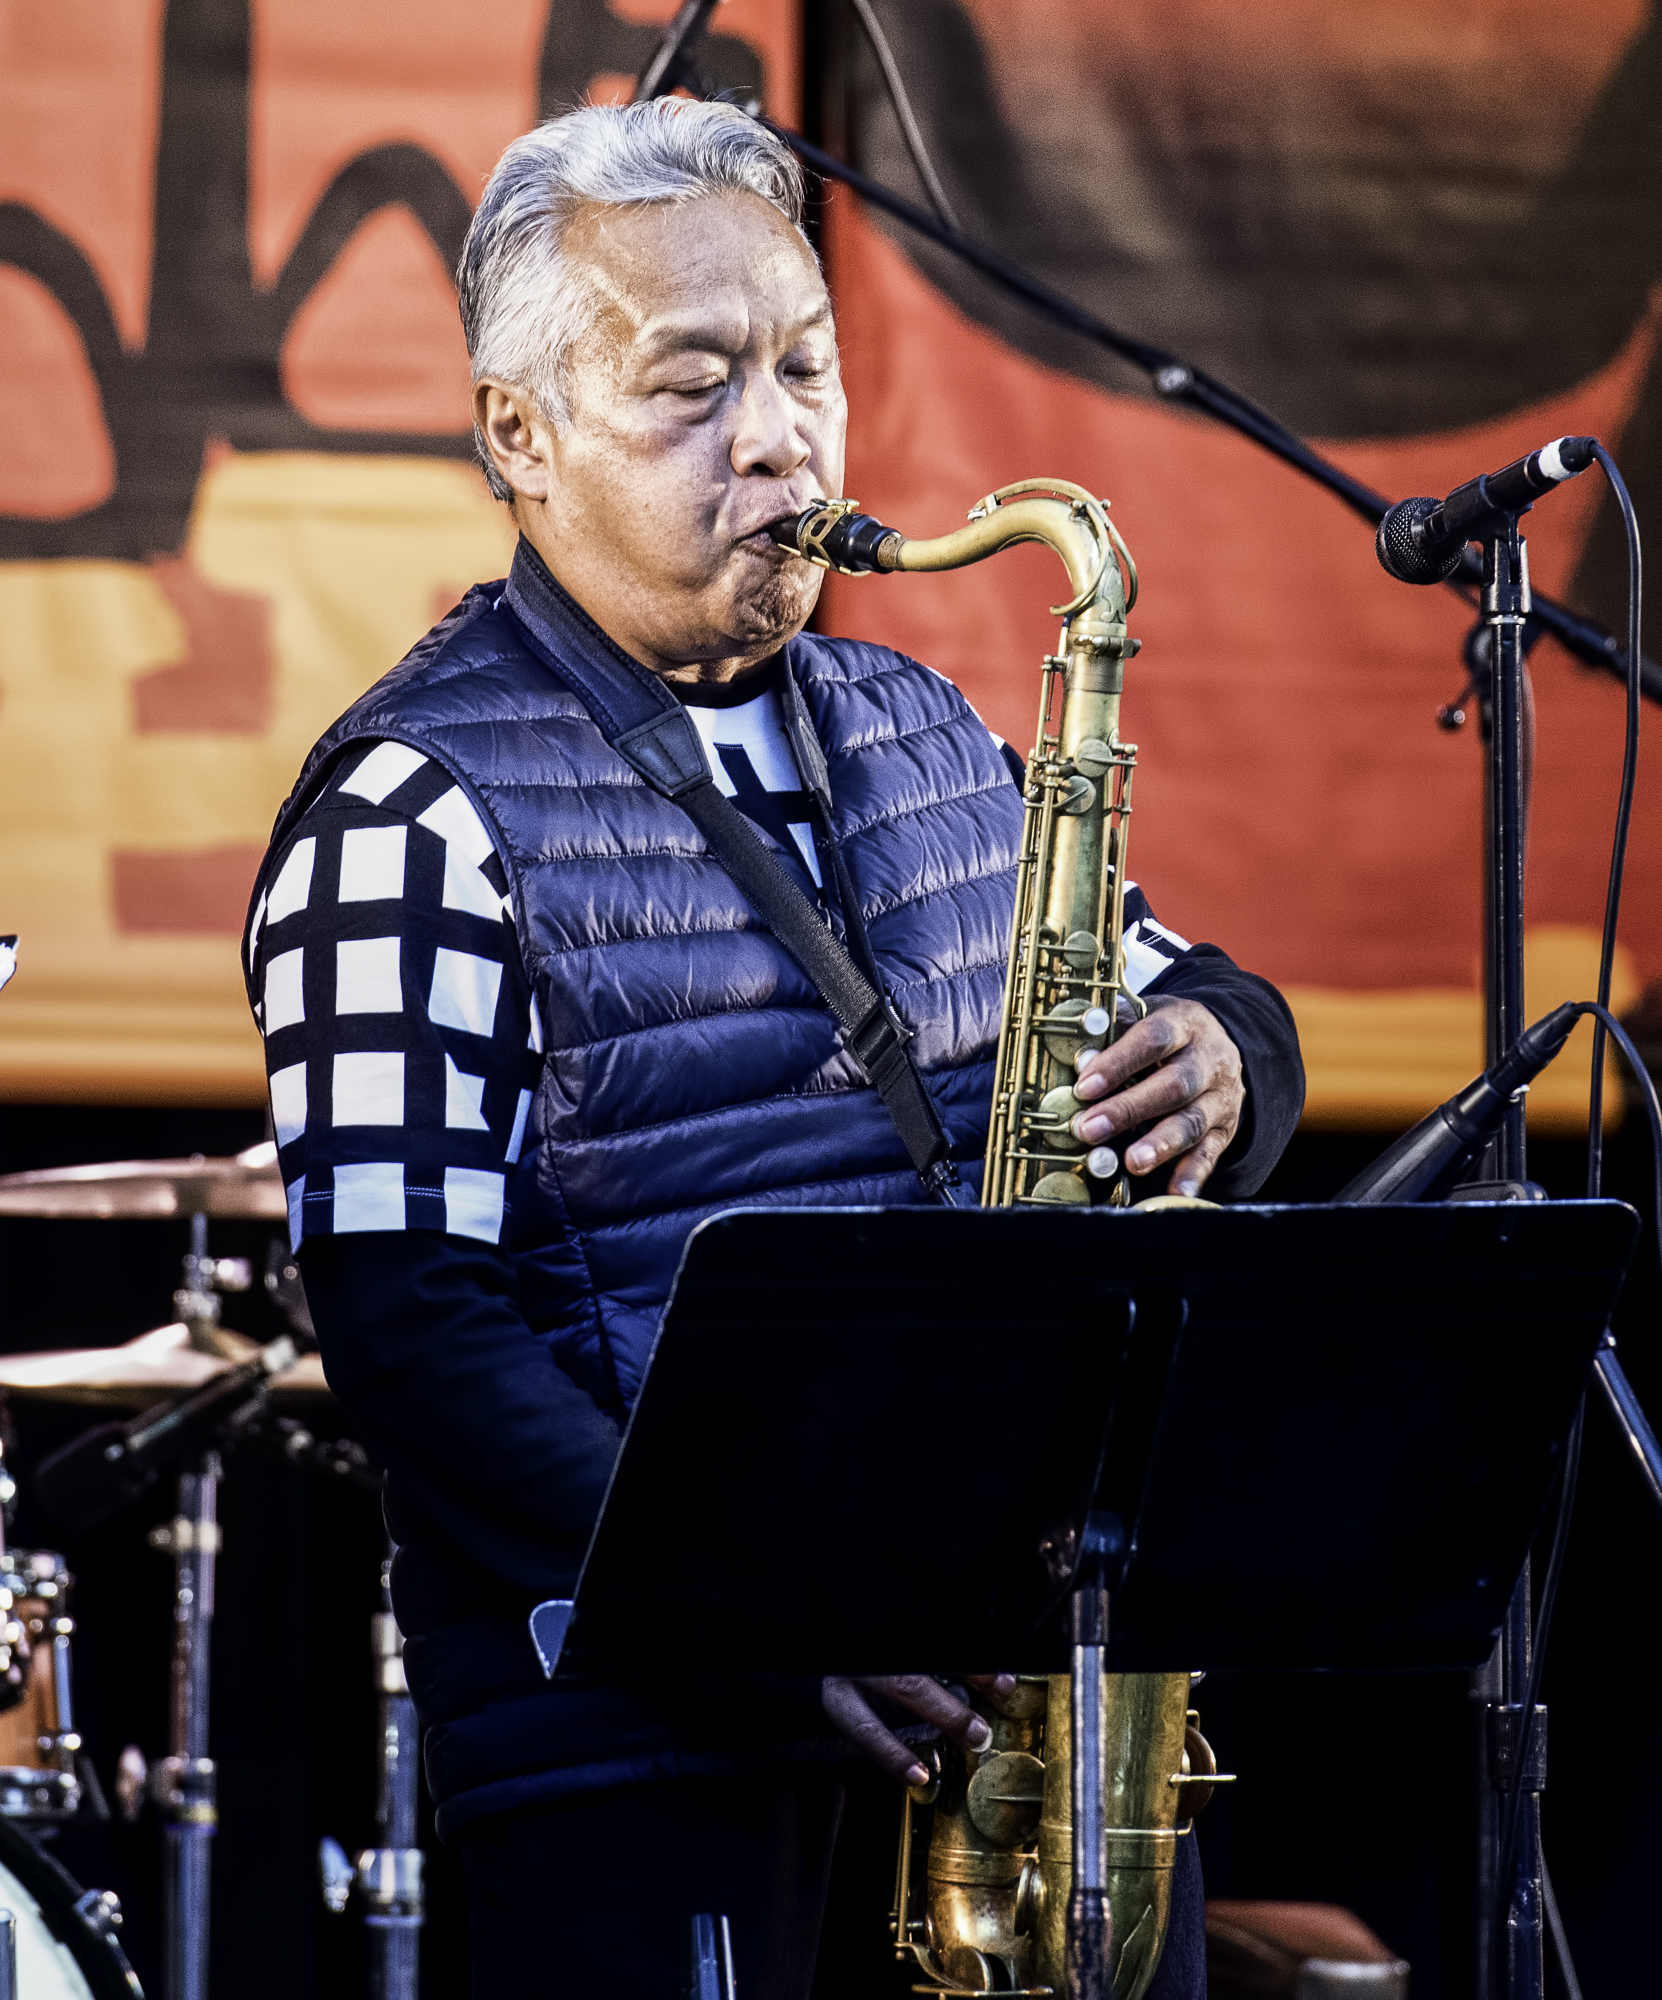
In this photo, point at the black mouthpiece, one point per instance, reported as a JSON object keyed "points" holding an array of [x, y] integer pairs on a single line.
{"points": [[835, 539]]}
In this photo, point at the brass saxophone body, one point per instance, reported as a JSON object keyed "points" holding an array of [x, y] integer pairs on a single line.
{"points": [[1065, 989], [988, 1913]]}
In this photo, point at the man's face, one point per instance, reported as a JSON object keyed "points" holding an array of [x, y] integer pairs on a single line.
{"points": [[705, 402]]}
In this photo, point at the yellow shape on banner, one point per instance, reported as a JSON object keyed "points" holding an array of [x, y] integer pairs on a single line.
{"points": [[1379, 1061], [131, 819]]}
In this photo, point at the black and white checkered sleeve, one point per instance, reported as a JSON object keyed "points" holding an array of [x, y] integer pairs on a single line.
{"points": [[401, 1043], [1149, 946]]}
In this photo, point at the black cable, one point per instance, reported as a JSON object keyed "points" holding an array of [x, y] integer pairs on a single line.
{"points": [[1566, 1502], [910, 130], [1560, 1937], [1647, 1097], [1624, 815], [1537, 1660]]}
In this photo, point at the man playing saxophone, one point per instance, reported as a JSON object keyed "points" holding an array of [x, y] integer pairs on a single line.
{"points": [[523, 1032]]}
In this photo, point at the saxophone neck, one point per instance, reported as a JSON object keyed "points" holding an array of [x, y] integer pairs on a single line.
{"points": [[1064, 517]]}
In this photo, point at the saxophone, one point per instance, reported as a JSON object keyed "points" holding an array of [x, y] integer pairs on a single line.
{"points": [[986, 1912]]}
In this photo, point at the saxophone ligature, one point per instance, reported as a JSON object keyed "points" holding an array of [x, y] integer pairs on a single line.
{"points": [[986, 1910]]}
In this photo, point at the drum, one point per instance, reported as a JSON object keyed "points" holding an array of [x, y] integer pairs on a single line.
{"points": [[67, 1947], [37, 1731]]}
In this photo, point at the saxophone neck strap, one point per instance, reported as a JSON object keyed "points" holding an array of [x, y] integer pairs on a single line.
{"points": [[655, 736]]}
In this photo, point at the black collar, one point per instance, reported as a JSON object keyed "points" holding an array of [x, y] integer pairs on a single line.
{"points": [[617, 690]]}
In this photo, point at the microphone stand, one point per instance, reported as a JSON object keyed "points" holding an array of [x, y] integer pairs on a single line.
{"points": [[1505, 605]]}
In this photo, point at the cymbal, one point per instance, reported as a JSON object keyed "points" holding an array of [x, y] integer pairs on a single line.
{"points": [[242, 1184], [141, 1372]]}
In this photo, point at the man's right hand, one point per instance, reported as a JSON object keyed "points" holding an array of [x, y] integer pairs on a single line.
{"points": [[843, 1697]]}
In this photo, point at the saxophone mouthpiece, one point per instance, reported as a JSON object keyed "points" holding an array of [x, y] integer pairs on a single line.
{"points": [[833, 535]]}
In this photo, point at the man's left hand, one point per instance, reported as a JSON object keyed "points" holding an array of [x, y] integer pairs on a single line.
{"points": [[1178, 1068]]}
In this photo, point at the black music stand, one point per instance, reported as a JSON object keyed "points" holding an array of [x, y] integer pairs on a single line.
{"points": [[893, 1440], [1330, 1434]]}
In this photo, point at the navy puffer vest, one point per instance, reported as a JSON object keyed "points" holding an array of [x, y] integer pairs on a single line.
{"points": [[689, 1064]]}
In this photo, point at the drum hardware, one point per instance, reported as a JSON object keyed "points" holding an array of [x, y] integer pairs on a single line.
{"points": [[94, 1476], [14, 1639], [287, 1290], [67, 1939], [198, 1299], [40, 1751], [246, 1186], [183, 1784], [8, 1485], [113, 1464], [141, 1372], [219, 1381], [132, 1783], [387, 1877], [64, 1936], [288, 1442]]}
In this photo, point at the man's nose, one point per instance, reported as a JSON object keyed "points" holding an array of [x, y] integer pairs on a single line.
{"points": [[769, 437]]}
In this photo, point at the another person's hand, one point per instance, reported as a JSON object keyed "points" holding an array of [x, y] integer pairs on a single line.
{"points": [[1177, 1067], [843, 1698]]}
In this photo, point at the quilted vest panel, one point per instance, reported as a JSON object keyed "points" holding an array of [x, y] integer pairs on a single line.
{"points": [[689, 1064]]}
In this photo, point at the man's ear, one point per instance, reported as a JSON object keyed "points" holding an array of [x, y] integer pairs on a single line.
{"points": [[514, 435]]}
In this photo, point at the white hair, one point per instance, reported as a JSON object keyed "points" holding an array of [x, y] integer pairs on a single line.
{"points": [[522, 304]]}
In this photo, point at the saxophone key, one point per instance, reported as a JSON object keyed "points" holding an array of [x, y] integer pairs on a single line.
{"points": [[1054, 1119]]}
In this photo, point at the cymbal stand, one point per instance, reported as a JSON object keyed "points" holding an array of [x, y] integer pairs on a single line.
{"points": [[388, 1876], [183, 1784], [197, 1301]]}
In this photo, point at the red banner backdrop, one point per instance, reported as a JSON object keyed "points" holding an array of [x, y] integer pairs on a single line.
{"points": [[234, 478]]}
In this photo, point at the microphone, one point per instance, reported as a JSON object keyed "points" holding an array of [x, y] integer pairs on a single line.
{"points": [[110, 1466], [1428, 1160], [1422, 541]]}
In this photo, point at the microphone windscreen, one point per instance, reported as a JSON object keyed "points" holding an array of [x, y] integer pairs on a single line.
{"points": [[1401, 556]]}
